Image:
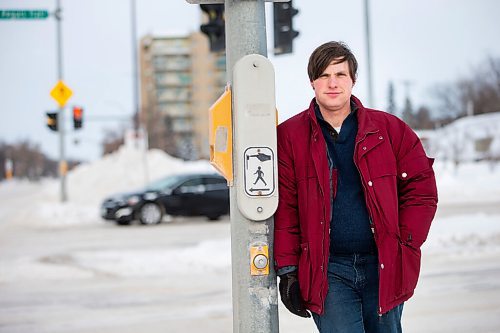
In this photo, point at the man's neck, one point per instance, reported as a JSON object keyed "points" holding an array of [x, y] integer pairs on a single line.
{"points": [[335, 117]]}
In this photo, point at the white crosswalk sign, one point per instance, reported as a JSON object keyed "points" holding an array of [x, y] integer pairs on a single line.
{"points": [[259, 172]]}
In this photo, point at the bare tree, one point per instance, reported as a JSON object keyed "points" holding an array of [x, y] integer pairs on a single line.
{"points": [[481, 88], [28, 161]]}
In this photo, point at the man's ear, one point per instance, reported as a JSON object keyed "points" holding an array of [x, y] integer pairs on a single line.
{"points": [[312, 84]]}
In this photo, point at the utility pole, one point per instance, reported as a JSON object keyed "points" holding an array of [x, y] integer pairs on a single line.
{"points": [[255, 300], [61, 93], [253, 183], [135, 93], [63, 165], [371, 100], [135, 84]]}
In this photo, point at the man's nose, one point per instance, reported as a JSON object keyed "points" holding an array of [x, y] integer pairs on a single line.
{"points": [[332, 81]]}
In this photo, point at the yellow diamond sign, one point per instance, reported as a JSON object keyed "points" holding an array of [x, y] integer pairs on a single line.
{"points": [[61, 93]]}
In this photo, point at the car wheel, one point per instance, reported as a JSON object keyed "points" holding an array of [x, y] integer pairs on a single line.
{"points": [[150, 213], [213, 217], [123, 222]]}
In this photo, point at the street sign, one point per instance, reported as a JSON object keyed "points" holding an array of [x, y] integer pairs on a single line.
{"points": [[61, 93], [23, 14]]}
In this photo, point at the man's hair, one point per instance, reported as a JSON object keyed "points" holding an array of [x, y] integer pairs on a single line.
{"points": [[323, 56]]}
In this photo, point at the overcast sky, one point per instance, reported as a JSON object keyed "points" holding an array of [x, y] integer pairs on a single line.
{"points": [[425, 42]]}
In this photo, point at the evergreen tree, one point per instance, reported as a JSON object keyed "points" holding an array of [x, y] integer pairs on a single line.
{"points": [[408, 116], [391, 104]]}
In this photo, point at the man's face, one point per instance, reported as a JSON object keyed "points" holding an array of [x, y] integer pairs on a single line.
{"points": [[333, 88]]}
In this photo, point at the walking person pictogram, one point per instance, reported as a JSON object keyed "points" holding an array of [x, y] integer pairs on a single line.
{"points": [[259, 174]]}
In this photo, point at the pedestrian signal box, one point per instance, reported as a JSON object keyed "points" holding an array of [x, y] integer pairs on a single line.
{"points": [[255, 143], [221, 136]]}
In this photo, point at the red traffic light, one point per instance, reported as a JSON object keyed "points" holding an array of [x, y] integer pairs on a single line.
{"points": [[77, 117]]}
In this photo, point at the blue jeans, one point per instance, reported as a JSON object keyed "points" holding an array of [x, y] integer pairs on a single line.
{"points": [[352, 300]]}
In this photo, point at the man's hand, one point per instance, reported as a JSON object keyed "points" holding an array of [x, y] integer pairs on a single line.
{"points": [[290, 294]]}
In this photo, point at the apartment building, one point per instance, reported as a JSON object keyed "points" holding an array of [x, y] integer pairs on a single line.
{"points": [[180, 79]]}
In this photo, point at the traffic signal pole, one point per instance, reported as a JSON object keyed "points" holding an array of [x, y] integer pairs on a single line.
{"points": [[255, 298], [255, 301], [63, 167], [247, 110]]}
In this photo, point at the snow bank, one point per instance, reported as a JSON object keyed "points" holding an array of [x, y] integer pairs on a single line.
{"points": [[464, 235], [467, 183], [205, 257], [460, 139], [125, 170]]}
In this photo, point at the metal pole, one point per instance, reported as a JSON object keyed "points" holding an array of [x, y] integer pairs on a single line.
{"points": [[255, 307], [135, 93], [135, 87], [371, 100], [63, 167]]}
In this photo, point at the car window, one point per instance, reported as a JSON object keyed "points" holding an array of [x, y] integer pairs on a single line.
{"points": [[193, 185], [164, 183], [215, 183], [193, 182]]}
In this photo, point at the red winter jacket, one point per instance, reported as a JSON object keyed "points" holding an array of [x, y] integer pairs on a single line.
{"points": [[400, 192]]}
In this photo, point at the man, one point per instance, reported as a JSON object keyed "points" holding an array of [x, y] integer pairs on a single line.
{"points": [[357, 198]]}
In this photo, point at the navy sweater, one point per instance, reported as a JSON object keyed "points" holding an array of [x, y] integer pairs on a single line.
{"points": [[350, 225]]}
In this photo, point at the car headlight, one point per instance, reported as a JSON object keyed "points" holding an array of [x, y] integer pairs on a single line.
{"points": [[150, 196], [133, 200]]}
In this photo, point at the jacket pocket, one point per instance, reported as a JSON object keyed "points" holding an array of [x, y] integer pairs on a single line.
{"points": [[305, 271], [410, 268], [414, 168], [382, 170]]}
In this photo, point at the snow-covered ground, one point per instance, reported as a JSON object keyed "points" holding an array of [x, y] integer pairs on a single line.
{"points": [[52, 255]]}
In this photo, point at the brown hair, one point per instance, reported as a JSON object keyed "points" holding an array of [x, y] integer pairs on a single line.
{"points": [[323, 56]]}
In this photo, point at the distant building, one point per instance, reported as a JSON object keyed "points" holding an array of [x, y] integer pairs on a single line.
{"points": [[180, 80]]}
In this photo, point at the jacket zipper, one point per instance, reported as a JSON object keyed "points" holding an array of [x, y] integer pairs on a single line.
{"points": [[363, 179], [372, 224]]}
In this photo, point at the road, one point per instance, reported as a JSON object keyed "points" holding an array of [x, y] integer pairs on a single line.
{"points": [[99, 277]]}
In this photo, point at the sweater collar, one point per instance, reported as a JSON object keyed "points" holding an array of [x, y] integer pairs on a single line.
{"points": [[365, 123]]}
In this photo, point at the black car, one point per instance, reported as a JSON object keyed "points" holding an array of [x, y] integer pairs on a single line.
{"points": [[200, 194]]}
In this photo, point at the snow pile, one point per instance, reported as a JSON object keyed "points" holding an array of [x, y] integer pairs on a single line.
{"points": [[122, 171], [464, 235], [465, 139], [468, 183], [126, 170], [131, 263]]}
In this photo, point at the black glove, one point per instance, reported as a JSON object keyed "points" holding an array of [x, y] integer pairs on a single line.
{"points": [[290, 294]]}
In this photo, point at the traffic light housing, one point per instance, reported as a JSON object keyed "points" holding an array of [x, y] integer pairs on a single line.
{"points": [[77, 117], [283, 27], [52, 121], [215, 27]]}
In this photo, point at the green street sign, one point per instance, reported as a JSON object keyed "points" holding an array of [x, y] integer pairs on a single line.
{"points": [[23, 14]]}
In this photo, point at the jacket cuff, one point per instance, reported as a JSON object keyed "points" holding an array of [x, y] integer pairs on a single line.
{"points": [[285, 270]]}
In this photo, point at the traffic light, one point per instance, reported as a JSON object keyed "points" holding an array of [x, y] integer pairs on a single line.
{"points": [[283, 27], [52, 121], [215, 27], [77, 117]]}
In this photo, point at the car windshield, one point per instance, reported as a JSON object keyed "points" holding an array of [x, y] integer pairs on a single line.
{"points": [[164, 183]]}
